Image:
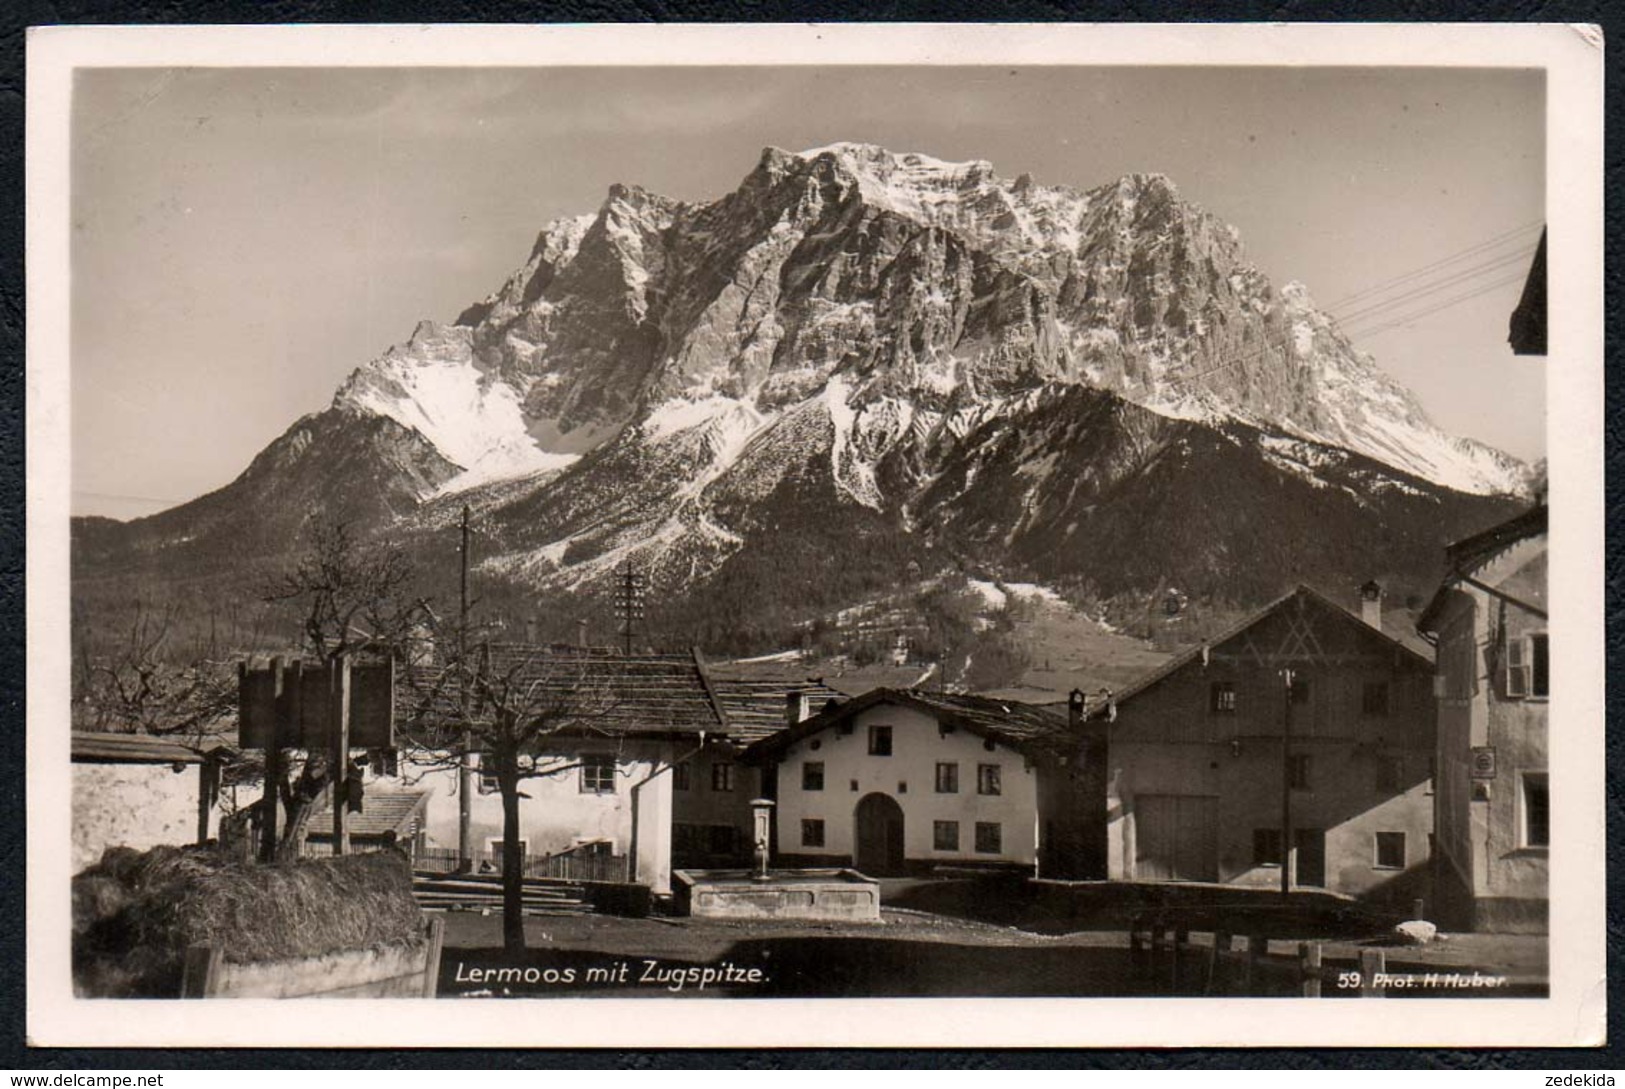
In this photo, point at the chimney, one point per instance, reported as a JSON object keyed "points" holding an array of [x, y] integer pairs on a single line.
{"points": [[1074, 710], [581, 633], [797, 707], [1371, 604]]}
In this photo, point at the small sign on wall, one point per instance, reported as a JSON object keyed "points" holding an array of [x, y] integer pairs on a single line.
{"points": [[1483, 762]]}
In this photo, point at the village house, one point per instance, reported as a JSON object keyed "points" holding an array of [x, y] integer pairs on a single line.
{"points": [[611, 801], [897, 781], [1197, 776], [388, 818], [713, 789], [140, 791], [1493, 822]]}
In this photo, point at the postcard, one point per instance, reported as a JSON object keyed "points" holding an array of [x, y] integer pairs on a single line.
{"points": [[923, 535]]}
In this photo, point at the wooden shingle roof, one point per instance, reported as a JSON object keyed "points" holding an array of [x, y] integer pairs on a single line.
{"points": [[382, 811], [757, 708], [639, 695]]}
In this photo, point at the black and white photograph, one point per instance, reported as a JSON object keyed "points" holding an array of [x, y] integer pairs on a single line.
{"points": [[761, 514]]}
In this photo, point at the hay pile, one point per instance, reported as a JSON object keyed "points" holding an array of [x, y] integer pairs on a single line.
{"points": [[135, 914]]}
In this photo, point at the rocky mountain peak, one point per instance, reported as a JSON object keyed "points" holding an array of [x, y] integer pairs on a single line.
{"points": [[867, 355], [912, 292]]}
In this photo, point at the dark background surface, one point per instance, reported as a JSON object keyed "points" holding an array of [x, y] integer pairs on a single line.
{"points": [[17, 1055]]}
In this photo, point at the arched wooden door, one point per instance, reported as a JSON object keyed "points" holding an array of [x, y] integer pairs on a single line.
{"points": [[878, 836]]}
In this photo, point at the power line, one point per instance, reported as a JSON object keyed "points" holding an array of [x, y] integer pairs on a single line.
{"points": [[1381, 309], [1427, 311], [1519, 258], [1424, 270], [133, 498]]}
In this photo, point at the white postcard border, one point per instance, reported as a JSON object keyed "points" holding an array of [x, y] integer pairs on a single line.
{"points": [[1573, 1015]]}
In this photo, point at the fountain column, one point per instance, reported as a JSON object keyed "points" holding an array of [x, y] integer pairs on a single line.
{"points": [[762, 833]]}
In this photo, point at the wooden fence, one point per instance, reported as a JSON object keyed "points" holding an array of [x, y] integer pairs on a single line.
{"points": [[397, 971], [566, 866], [1171, 963]]}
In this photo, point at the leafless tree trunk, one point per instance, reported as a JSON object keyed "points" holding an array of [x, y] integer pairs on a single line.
{"points": [[513, 861], [299, 802]]}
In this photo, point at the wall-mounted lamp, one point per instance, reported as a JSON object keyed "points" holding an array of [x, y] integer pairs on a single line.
{"points": [[1235, 746]]}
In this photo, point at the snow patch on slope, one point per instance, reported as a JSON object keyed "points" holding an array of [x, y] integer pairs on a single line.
{"points": [[432, 386]]}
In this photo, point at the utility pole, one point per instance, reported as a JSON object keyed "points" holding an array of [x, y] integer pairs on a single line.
{"points": [[465, 771], [338, 678], [629, 603], [1286, 789]]}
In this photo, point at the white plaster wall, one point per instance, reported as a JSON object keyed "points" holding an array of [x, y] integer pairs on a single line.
{"points": [[917, 746], [132, 805], [555, 814]]}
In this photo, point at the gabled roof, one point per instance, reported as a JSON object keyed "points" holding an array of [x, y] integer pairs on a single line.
{"points": [[1307, 593], [651, 695], [100, 748], [756, 708], [1469, 554], [381, 811], [1021, 726]]}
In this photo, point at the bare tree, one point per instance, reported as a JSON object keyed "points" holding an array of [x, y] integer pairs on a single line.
{"points": [[522, 709], [132, 684], [350, 596]]}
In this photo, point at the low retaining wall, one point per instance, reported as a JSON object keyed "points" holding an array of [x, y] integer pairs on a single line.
{"points": [[805, 894], [394, 971]]}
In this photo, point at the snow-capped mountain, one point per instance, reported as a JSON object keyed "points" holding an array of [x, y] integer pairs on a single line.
{"points": [[904, 276], [917, 352]]}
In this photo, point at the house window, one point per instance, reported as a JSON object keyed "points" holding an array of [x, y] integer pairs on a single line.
{"points": [[488, 783], [722, 839], [1266, 846], [1390, 771], [812, 833], [685, 839], [1537, 815], [679, 777], [1528, 668], [948, 778], [722, 778], [1221, 697], [597, 773], [880, 741], [1374, 698], [1540, 673], [988, 838], [812, 775], [945, 835], [1390, 850], [1298, 771], [1299, 690]]}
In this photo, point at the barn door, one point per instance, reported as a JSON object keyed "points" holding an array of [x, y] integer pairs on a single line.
{"points": [[1176, 838]]}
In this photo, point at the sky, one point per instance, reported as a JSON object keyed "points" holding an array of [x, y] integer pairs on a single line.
{"points": [[243, 239]]}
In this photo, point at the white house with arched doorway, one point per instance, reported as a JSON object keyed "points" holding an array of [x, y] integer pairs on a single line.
{"points": [[901, 781]]}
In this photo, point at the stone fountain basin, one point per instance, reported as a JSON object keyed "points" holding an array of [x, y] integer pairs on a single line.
{"points": [[837, 894]]}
